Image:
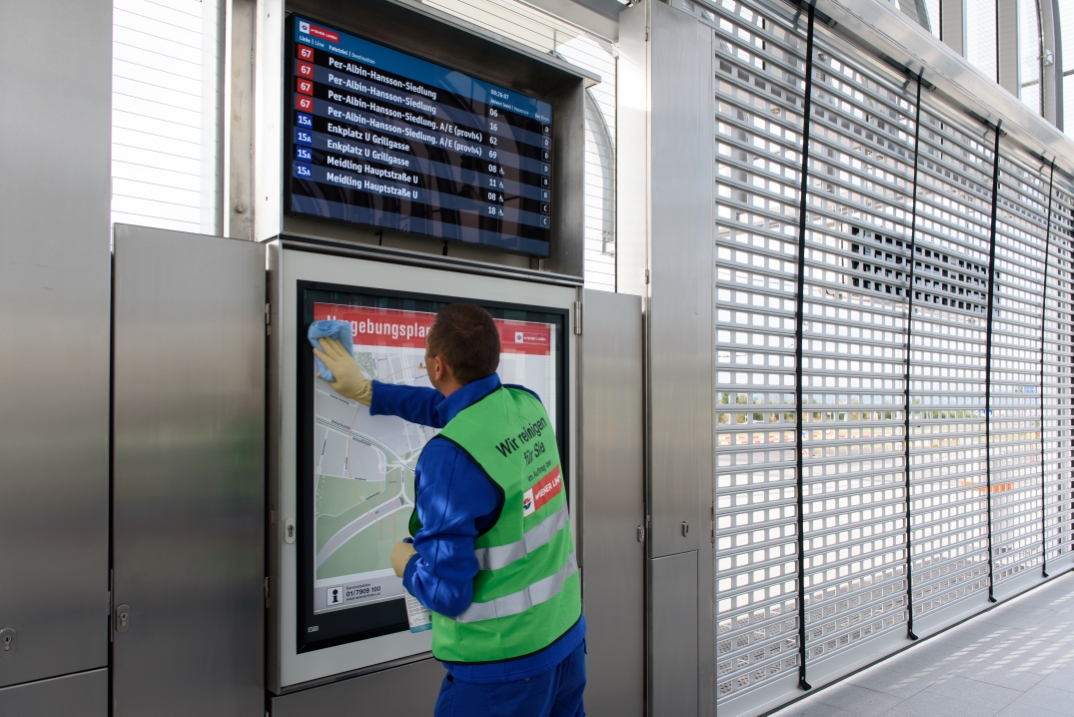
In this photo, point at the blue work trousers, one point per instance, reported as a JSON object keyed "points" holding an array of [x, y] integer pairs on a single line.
{"points": [[556, 693]]}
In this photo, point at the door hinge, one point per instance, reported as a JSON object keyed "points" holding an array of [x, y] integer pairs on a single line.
{"points": [[578, 318], [268, 593], [641, 533], [712, 524], [268, 319]]}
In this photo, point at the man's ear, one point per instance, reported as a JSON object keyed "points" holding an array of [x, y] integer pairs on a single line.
{"points": [[445, 370], [439, 368]]}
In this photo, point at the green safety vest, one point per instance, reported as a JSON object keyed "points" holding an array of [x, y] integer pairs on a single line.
{"points": [[527, 592]]}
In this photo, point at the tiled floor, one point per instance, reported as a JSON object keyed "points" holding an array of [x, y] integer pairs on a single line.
{"points": [[1014, 661]]}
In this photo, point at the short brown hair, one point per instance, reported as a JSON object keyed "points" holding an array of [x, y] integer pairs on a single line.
{"points": [[466, 337]]}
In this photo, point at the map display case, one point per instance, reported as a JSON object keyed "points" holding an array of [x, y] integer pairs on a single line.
{"points": [[342, 480]]}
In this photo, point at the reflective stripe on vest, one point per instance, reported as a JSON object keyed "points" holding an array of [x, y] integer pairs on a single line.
{"points": [[503, 555], [537, 593]]}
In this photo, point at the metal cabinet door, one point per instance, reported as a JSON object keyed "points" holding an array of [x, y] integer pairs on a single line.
{"points": [[612, 514], [54, 283], [188, 475]]}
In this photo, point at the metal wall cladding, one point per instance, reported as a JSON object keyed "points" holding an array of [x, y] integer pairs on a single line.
{"points": [[948, 340], [760, 71], [857, 244], [1015, 375], [1057, 390]]}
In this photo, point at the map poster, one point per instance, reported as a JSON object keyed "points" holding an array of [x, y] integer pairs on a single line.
{"points": [[363, 487]]}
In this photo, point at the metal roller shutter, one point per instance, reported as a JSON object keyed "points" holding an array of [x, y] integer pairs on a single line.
{"points": [[898, 363], [758, 108], [1058, 383], [1014, 415], [948, 508], [860, 178]]}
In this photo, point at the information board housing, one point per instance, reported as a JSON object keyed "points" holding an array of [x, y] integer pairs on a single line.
{"points": [[422, 32], [313, 633]]}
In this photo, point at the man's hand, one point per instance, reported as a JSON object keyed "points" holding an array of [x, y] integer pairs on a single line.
{"points": [[350, 381], [401, 556]]}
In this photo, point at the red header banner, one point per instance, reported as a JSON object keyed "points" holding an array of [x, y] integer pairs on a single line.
{"points": [[407, 329]]}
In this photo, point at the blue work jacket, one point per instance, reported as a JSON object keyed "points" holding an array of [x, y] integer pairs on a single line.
{"points": [[456, 503]]}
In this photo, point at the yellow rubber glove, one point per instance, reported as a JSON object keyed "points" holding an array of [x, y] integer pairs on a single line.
{"points": [[401, 556], [350, 381]]}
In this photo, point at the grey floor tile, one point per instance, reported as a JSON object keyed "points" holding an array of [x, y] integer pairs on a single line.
{"points": [[812, 708], [857, 700], [1021, 681], [1060, 679], [891, 682], [1018, 618], [905, 664], [1048, 698], [924, 704], [1017, 709], [968, 690]]}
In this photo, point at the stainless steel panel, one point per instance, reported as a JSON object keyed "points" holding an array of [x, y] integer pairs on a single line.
{"points": [[612, 492], [1008, 51], [704, 255], [953, 25], [188, 476], [673, 636], [55, 144], [238, 200], [631, 154], [84, 694], [407, 691], [679, 324]]}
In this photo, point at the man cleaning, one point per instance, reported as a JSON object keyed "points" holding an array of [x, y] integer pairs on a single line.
{"points": [[492, 554]]}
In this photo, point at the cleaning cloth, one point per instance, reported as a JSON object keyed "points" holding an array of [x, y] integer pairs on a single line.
{"points": [[339, 330]]}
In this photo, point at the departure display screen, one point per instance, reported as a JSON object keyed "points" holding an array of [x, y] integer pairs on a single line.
{"points": [[357, 470], [382, 138]]}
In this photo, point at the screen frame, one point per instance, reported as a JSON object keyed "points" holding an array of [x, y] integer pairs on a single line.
{"points": [[556, 203], [332, 623]]}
